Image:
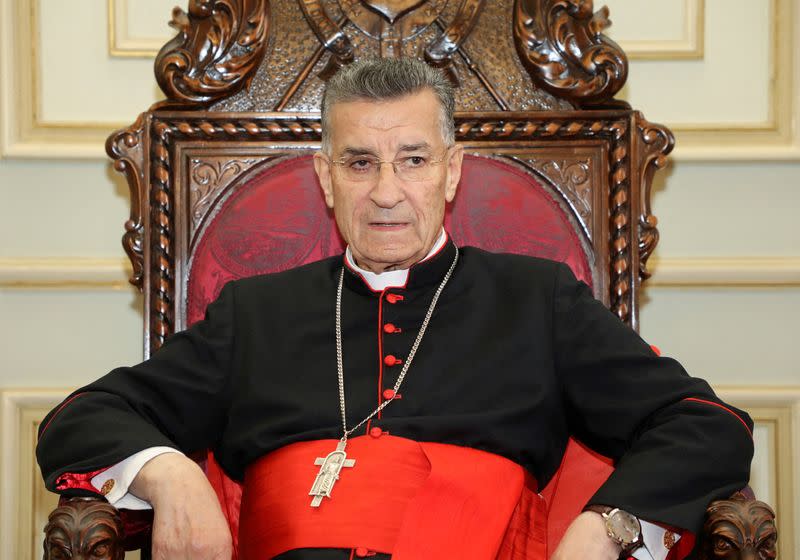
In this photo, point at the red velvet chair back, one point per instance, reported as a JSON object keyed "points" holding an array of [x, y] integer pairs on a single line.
{"points": [[275, 218]]}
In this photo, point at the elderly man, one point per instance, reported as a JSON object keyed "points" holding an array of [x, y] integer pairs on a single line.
{"points": [[422, 392]]}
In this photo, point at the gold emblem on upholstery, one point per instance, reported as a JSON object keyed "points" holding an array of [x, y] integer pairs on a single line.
{"points": [[392, 9], [108, 485], [669, 540]]}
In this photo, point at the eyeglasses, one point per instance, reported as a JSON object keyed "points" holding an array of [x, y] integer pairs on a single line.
{"points": [[413, 168]]}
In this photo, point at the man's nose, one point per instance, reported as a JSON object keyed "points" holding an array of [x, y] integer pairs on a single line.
{"points": [[387, 191]]}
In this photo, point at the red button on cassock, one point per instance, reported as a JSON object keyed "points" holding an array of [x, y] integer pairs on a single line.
{"points": [[394, 298], [362, 552], [375, 432], [388, 394], [392, 360], [390, 328]]}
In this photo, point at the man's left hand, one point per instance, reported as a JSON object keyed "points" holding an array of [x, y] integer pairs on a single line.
{"points": [[586, 539]]}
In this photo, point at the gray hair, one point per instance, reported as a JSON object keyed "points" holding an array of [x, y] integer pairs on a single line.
{"points": [[381, 79]]}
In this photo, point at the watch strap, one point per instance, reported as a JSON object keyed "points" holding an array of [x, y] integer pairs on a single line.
{"points": [[606, 511]]}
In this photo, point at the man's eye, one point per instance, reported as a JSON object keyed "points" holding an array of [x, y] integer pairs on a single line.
{"points": [[416, 161], [360, 164]]}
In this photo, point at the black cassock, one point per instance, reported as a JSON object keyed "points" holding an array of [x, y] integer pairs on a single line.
{"points": [[517, 356]]}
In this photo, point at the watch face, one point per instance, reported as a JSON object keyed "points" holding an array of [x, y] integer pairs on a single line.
{"points": [[624, 526]]}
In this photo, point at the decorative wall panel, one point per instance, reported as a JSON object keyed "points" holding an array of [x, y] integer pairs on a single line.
{"points": [[664, 30], [61, 93], [776, 468], [138, 28]]}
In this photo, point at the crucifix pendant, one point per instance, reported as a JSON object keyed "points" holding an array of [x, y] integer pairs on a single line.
{"points": [[329, 469]]}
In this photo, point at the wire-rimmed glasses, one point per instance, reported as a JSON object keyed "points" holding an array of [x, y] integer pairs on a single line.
{"points": [[367, 167]]}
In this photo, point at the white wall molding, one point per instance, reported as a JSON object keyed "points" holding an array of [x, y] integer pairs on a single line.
{"points": [[60, 272], [724, 271], [23, 503], [777, 409], [686, 47], [778, 137], [23, 133], [122, 42], [112, 273]]}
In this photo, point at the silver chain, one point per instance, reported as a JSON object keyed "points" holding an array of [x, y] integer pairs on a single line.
{"points": [[406, 364]]}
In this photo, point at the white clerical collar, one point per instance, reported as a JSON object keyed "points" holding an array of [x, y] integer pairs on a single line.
{"points": [[391, 278]]}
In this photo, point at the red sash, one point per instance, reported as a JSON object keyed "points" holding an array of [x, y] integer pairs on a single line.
{"points": [[405, 498]]}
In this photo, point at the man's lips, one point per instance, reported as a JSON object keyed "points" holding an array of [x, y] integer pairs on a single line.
{"points": [[388, 224]]}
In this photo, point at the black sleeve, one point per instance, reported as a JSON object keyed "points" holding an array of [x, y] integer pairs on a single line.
{"points": [[178, 398], [676, 446]]}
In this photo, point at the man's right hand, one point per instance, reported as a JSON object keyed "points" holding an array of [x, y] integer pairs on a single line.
{"points": [[188, 523]]}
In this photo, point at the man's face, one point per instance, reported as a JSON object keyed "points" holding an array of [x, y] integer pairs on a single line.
{"points": [[388, 222]]}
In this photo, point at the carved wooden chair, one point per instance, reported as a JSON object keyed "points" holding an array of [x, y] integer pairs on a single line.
{"points": [[222, 184]]}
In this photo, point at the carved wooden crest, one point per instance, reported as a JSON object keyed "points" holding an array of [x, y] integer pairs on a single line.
{"points": [[392, 9], [557, 55], [392, 22]]}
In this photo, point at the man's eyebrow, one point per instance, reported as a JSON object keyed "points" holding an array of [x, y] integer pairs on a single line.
{"points": [[414, 147], [350, 151], [358, 151]]}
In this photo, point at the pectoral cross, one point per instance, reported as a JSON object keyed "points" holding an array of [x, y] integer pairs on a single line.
{"points": [[329, 469]]}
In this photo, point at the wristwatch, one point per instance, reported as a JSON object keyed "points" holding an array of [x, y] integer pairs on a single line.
{"points": [[622, 527]]}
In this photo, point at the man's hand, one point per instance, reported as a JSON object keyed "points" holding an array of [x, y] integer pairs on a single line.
{"points": [[586, 539], [188, 523]]}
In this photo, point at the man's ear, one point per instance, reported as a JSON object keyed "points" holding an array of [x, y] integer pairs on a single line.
{"points": [[322, 166], [453, 171]]}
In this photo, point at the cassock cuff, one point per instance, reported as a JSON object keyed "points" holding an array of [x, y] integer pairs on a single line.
{"points": [[113, 483], [655, 543]]}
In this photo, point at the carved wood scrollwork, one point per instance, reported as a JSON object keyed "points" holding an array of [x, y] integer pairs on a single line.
{"points": [[125, 148], [655, 142], [219, 45], [561, 44], [208, 177], [573, 176]]}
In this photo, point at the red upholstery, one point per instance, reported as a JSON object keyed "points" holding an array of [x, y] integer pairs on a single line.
{"points": [[275, 222], [278, 220]]}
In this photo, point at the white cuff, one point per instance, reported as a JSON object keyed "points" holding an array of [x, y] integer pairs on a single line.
{"points": [[654, 543], [113, 482]]}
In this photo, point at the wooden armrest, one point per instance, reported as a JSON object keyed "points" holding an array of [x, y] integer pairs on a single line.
{"points": [[738, 528], [92, 528]]}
